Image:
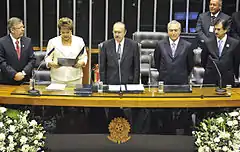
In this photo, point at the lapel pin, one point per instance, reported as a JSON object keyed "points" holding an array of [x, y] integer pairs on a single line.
{"points": [[227, 45], [23, 46]]}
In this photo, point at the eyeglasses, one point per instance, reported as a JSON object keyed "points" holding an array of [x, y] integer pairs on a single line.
{"points": [[17, 28]]}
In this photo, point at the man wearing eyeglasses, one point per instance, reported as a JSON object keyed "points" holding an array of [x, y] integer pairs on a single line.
{"points": [[16, 55]]}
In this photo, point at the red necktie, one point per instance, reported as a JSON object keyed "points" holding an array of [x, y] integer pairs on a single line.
{"points": [[18, 49]]}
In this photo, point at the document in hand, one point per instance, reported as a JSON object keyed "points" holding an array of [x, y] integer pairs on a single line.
{"points": [[66, 62], [55, 87]]}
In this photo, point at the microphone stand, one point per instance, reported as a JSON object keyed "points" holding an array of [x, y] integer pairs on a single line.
{"points": [[33, 91], [120, 78], [218, 90]]}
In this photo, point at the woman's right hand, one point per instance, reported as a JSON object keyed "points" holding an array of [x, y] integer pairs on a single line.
{"points": [[53, 65]]}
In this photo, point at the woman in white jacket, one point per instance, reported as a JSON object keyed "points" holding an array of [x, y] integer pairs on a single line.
{"points": [[66, 46]]}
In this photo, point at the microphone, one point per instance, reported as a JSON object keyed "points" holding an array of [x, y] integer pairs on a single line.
{"points": [[218, 90], [119, 74], [33, 91]]}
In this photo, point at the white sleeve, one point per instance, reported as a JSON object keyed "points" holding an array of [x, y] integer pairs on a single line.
{"points": [[49, 58]]}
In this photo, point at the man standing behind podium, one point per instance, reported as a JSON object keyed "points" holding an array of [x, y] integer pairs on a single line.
{"points": [[127, 51], [119, 48], [16, 55], [174, 57], [205, 23], [222, 50]]}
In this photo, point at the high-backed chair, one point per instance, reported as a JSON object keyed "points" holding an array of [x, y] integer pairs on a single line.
{"points": [[198, 70], [43, 73], [148, 41]]}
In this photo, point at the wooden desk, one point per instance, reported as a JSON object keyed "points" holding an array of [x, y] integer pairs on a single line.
{"points": [[141, 100]]}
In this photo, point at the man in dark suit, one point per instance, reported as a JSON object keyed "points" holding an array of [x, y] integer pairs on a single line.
{"points": [[205, 23], [174, 57], [235, 28], [174, 60], [113, 51], [221, 49], [16, 55], [123, 49]]}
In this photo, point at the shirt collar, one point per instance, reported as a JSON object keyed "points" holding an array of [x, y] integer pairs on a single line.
{"points": [[215, 14], [176, 41], [224, 39], [122, 42], [13, 39]]}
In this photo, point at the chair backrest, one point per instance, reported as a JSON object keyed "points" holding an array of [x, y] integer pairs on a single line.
{"points": [[148, 42], [39, 55], [198, 70], [43, 73]]}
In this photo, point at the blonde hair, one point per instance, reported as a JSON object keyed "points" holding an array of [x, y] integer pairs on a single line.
{"points": [[65, 22]]}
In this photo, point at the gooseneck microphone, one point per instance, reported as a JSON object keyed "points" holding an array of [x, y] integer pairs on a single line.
{"points": [[218, 90], [33, 91]]}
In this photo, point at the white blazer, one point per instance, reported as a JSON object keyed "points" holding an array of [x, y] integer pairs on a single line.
{"points": [[65, 73]]}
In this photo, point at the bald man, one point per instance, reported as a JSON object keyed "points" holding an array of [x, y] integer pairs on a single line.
{"points": [[123, 49]]}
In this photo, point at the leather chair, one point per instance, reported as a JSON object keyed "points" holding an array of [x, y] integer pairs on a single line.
{"points": [[198, 70], [148, 41], [41, 72]]}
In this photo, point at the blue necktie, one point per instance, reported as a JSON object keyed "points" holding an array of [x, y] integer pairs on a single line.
{"points": [[220, 47]]}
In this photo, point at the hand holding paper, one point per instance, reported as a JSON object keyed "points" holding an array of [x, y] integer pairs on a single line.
{"points": [[53, 65]]}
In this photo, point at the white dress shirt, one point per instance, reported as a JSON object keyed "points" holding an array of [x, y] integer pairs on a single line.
{"points": [[176, 44]]}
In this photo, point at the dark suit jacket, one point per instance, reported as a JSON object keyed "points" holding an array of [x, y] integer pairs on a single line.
{"points": [[174, 70], [235, 29], [227, 63], [130, 63], [9, 63], [204, 22]]}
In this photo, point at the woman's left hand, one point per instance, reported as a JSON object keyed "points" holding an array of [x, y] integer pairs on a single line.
{"points": [[79, 64]]}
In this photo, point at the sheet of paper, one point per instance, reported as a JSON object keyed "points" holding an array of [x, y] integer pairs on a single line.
{"points": [[116, 87], [55, 87], [135, 87]]}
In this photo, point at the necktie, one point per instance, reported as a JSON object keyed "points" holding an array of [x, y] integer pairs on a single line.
{"points": [[119, 51], [220, 47], [18, 49], [173, 49], [212, 20]]}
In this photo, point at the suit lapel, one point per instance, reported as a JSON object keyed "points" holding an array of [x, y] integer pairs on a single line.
{"points": [[168, 48], [208, 20], [125, 50], [226, 46], [213, 48], [12, 47], [113, 51], [22, 47], [179, 48]]}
